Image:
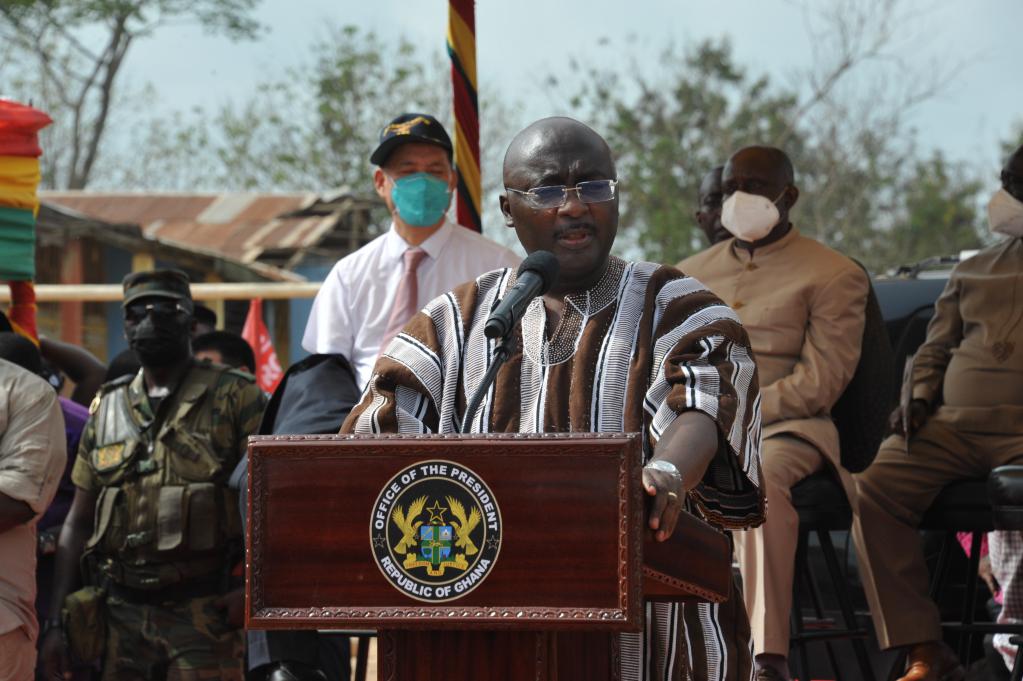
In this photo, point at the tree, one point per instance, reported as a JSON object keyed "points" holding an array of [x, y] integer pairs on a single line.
{"points": [[68, 55], [938, 214], [313, 128], [668, 128], [842, 121]]}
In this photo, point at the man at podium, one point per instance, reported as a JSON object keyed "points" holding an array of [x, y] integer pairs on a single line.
{"points": [[613, 346]]}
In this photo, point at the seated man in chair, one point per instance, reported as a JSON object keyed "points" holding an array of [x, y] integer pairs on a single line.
{"points": [[964, 419], [803, 306]]}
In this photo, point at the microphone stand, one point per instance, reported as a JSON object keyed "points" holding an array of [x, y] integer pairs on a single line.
{"points": [[501, 355]]}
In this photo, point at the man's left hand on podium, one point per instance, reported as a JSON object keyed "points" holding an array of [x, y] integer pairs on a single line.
{"points": [[663, 482], [680, 459]]}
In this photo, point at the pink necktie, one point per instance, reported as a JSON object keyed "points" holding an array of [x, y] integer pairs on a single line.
{"points": [[407, 298]]}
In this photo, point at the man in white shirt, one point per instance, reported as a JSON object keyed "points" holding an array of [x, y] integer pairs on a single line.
{"points": [[370, 294], [32, 458]]}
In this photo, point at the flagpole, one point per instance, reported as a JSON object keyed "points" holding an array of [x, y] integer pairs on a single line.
{"points": [[462, 50]]}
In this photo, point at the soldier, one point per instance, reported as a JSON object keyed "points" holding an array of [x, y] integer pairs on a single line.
{"points": [[152, 511]]}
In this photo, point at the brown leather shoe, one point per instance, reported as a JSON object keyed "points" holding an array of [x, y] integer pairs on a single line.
{"points": [[933, 661]]}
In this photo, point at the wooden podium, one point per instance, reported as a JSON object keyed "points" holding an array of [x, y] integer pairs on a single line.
{"points": [[476, 557]]}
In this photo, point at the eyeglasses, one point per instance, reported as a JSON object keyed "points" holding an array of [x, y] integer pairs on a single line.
{"points": [[555, 196], [136, 312]]}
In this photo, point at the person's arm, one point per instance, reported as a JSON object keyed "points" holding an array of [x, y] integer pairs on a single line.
{"points": [[396, 399], [13, 512], [395, 402], [247, 405], [703, 414], [75, 532], [77, 529], [831, 350], [80, 365], [33, 451], [330, 328], [689, 444], [944, 333]]}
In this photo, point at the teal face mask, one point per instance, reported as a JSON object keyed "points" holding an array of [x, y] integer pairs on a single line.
{"points": [[421, 199]]}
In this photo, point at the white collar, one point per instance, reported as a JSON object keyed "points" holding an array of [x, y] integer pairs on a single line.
{"points": [[395, 246]]}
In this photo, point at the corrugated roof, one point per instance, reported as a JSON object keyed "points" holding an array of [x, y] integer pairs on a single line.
{"points": [[56, 224], [241, 226]]}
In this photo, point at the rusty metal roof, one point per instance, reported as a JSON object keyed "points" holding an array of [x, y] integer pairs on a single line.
{"points": [[241, 226]]}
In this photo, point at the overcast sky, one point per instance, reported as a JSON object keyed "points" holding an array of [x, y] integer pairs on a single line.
{"points": [[520, 41]]}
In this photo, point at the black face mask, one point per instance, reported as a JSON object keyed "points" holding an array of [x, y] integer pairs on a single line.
{"points": [[160, 341]]}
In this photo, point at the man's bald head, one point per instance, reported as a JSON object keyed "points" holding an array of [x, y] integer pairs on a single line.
{"points": [[767, 162], [533, 146], [562, 152]]}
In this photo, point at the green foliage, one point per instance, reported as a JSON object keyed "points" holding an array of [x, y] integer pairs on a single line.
{"points": [[938, 213], [668, 128], [312, 129], [864, 188], [862, 191]]}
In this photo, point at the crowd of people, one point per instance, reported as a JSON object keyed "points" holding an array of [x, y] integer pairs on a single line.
{"points": [[122, 504]]}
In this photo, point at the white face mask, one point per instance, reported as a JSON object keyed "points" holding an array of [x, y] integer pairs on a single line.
{"points": [[750, 217], [1005, 214]]}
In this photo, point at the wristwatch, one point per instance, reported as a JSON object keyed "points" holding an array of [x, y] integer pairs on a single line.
{"points": [[665, 467], [52, 623]]}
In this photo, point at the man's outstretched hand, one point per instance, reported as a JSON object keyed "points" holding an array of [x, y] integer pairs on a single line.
{"points": [[667, 492]]}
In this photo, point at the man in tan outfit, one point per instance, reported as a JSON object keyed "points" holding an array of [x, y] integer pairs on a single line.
{"points": [[965, 418], [803, 306]]}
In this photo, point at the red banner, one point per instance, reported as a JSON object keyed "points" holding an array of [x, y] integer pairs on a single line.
{"points": [[268, 369]]}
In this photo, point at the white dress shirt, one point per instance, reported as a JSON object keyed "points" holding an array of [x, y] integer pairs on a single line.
{"points": [[352, 308]]}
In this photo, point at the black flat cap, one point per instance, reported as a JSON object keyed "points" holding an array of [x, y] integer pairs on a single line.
{"points": [[163, 283], [410, 127]]}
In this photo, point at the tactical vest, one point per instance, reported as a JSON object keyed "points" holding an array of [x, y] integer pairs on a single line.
{"points": [[165, 513]]}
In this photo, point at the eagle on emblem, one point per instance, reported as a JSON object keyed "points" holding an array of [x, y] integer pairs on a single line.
{"points": [[408, 524], [464, 526]]}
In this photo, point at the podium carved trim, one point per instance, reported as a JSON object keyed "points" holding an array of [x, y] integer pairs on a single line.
{"points": [[625, 616]]}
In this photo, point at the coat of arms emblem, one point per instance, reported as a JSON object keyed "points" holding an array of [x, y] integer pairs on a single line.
{"points": [[436, 530]]}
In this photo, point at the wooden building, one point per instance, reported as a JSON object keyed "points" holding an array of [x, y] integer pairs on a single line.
{"points": [[97, 238]]}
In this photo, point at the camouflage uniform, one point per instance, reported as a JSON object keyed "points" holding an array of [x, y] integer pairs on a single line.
{"points": [[167, 529]]}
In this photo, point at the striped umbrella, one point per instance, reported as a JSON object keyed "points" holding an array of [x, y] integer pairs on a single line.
{"points": [[462, 50]]}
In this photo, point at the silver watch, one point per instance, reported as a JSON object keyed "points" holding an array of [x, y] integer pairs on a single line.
{"points": [[665, 466]]}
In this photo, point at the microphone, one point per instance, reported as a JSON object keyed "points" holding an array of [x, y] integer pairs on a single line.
{"points": [[535, 277]]}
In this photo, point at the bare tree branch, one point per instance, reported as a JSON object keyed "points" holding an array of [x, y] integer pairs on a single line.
{"points": [[80, 83]]}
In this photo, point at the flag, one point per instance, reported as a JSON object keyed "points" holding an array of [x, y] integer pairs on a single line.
{"points": [[19, 205], [268, 369], [462, 50]]}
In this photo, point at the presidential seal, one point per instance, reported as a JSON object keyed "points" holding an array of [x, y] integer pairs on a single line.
{"points": [[435, 531]]}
